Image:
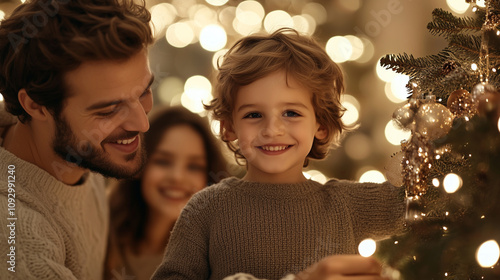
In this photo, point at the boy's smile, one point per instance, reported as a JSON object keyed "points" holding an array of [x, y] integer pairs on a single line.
{"points": [[275, 125]]}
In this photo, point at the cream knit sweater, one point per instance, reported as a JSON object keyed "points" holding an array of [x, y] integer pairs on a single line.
{"points": [[49, 230], [272, 230]]}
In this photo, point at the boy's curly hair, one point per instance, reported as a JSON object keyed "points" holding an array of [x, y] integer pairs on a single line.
{"points": [[44, 39], [256, 56]]}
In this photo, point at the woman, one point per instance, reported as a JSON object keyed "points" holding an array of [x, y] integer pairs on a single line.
{"points": [[183, 158]]}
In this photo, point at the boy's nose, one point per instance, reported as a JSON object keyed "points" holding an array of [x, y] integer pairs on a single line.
{"points": [[274, 127]]}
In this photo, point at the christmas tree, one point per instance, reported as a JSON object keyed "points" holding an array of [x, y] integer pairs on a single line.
{"points": [[451, 163]]}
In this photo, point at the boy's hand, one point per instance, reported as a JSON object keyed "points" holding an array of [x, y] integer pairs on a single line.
{"points": [[343, 267]]}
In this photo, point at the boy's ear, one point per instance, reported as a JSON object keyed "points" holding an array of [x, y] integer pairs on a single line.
{"points": [[321, 133], [228, 133], [35, 110]]}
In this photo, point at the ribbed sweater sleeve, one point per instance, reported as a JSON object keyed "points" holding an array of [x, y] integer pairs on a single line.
{"points": [[273, 230], [56, 231]]}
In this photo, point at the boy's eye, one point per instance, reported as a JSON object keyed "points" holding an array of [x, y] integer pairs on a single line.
{"points": [[291, 114], [252, 115]]}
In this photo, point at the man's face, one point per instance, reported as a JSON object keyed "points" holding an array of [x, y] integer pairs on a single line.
{"points": [[104, 116]]}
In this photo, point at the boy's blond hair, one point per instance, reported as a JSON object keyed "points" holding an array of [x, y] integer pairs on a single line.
{"points": [[302, 58]]}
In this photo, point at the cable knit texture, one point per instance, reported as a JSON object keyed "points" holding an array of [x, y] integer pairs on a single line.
{"points": [[273, 230], [60, 231]]}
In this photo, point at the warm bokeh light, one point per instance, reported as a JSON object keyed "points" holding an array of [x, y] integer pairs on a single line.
{"points": [[498, 124], [197, 91], [473, 66], [452, 182], [276, 20], [216, 2], [213, 37], [394, 134], [227, 15], [435, 182], [202, 16], [2, 14], [311, 23], [162, 15], [248, 17], [396, 90], [351, 115], [218, 57], [301, 24], [358, 146], [184, 7], [168, 88], [373, 176], [180, 34], [367, 247], [1, 98], [250, 12], [458, 6], [488, 253], [339, 49], [214, 125], [385, 75], [481, 3], [315, 175], [317, 11], [368, 51], [356, 45], [351, 99]]}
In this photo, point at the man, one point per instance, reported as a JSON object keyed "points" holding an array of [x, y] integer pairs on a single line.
{"points": [[76, 75]]}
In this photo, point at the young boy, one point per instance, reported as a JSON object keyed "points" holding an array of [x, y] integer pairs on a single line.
{"points": [[277, 98]]}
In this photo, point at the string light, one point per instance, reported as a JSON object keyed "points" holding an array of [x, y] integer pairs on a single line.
{"points": [[488, 253], [367, 247]]}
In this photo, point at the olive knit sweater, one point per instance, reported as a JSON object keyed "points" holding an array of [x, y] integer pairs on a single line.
{"points": [[272, 230]]}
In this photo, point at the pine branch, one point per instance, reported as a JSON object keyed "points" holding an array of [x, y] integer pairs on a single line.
{"points": [[409, 65], [445, 23]]}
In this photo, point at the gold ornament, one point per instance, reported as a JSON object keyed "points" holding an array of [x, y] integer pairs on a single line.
{"points": [[403, 116], [460, 103], [418, 155], [489, 104], [433, 120]]}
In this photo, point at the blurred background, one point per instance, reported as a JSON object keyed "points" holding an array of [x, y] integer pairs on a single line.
{"points": [[192, 34]]}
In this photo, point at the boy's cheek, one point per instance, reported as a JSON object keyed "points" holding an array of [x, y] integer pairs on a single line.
{"points": [[247, 151]]}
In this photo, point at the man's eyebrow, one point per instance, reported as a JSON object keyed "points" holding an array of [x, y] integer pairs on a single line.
{"points": [[105, 104]]}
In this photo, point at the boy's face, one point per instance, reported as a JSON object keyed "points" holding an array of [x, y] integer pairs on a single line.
{"points": [[104, 116], [275, 125]]}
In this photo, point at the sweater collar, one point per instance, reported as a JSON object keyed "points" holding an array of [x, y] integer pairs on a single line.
{"points": [[275, 190]]}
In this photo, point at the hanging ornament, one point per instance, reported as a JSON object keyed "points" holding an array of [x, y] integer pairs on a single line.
{"points": [[433, 120], [418, 154], [404, 116], [480, 89], [489, 104], [460, 103]]}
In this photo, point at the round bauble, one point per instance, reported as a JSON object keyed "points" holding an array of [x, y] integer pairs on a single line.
{"points": [[404, 116], [480, 89], [433, 120], [460, 103], [489, 105]]}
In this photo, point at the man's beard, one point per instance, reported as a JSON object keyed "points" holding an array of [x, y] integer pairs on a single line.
{"points": [[88, 156]]}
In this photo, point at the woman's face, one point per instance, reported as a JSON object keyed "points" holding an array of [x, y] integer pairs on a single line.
{"points": [[176, 170]]}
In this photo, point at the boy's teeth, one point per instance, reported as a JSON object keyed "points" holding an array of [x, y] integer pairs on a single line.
{"points": [[126, 141], [273, 148]]}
